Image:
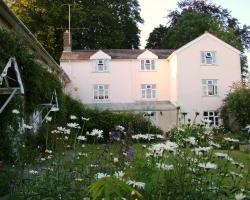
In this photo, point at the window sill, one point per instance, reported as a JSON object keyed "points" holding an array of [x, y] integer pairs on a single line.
{"points": [[147, 70], [206, 65], [210, 96], [100, 72], [101, 100]]}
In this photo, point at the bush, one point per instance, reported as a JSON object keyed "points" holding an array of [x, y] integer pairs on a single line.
{"points": [[235, 111]]}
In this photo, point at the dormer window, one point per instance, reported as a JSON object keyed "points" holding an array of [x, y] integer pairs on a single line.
{"points": [[100, 65], [208, 57], [147, 65]]}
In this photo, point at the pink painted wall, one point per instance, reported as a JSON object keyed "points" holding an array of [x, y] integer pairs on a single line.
{"points": [[124, 79], [191, 72]]}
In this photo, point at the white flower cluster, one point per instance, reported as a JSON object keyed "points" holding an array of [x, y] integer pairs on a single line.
{"points": [[48, 119], [191, 140], [200, 150], [15, 111], [208, 165], [73, 117], [158, 149], [231, 139], [101, 175], [73, 125], [82, 138], [26, 126], [135, 184], [85, 119], [62, 130], [119, 128], [34, 172], [214, 144], [119, 174], [164, 166], [239, 196], [96, 132], [48, 151], [147, 136], [236, 174], [82, 154]]}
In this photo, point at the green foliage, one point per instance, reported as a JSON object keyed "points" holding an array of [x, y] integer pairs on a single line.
{"points": [[155, 40], [38, 83], [103, 120], [7, 177], [111, 188], [235, 111], [96, 24]]}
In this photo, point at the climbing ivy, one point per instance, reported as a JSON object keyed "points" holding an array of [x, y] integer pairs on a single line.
{"points": [[39, 84]]}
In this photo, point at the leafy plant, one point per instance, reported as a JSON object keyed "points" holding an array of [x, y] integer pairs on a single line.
{"points": [[235, 111], [111, 188]]}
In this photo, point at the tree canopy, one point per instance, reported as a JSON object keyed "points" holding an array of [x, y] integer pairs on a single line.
{"points": [[95, 23], [192, 18]]}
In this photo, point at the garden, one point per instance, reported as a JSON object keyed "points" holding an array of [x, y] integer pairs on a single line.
{"points": [[193, 161], [80, 153]]}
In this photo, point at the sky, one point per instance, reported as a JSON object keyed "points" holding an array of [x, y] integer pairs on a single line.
{"points": [[154, 13]]}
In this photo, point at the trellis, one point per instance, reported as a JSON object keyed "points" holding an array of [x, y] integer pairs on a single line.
{"points": [[10, 82]]}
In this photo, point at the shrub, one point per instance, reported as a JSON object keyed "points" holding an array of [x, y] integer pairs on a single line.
{"points": [[235, 111]]}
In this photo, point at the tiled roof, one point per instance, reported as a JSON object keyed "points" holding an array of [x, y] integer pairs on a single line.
{"points": [[114, 53]]}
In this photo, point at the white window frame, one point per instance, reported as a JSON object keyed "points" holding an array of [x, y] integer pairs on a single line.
{"points": [[213, 116], [101, 92], [210, 87], [148, 65], [148, 91], [208, 57], [100, 65]]}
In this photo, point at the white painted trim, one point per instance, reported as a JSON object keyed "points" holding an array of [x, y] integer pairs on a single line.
{"points": [[147, 54], [100, 55], [211, 36]]}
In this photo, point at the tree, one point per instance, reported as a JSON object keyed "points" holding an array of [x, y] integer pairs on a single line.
{"points": [[192, 18], [95, 23], [156, 37], [235, 111]]}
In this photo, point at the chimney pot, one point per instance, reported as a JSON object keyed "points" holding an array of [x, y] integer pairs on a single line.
{"points": [[67, 41]]}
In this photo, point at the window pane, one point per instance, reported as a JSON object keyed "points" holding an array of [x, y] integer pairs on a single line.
{"points": [[143, 93], [205, 113], [202, 57], [211, 113], [147, 66], [153, 93], [142, 64], [148, 93], [210, 90], [152, 65]]}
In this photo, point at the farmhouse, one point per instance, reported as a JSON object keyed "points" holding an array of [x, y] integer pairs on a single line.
{"points": [[195, 77]]}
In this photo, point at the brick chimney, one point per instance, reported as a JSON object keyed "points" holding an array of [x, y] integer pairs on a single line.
{"points": [[67, 41]]}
